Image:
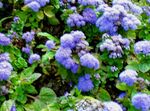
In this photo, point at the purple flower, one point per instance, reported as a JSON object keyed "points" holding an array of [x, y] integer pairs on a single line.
{"points": [[128, 76], [142, 47], [78, 35], [75, 20], [35, 6], [42, 2], [28, 36], [16, 19], [6, 65], [27, 1], [13, 108], [4, 57], [26, 49], [67, 41], [4, 41], [112, 106], [141, 101], [89, 15], [33, 58], [122, 95], [113, 68], [91, 2], [89, 61], [4, 74], [1, 5], [85, 84], [50, 44]]}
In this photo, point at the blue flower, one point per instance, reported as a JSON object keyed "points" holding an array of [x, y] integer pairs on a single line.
{"points": [[112, 106], [91, 2], [75, 20], [128, 76], [4, 41], [27, 1], [142, 47], [78, 36], [85, 84], [13, 108], [35, 6], [4, 57], [26, 49], [1, 5], [16, 19], [67, 41], [33, 58], [89, 15], [141, 101], [42, 2], [89, 61], [4, 74], [50, 44], [6, 65], [28, 36]]}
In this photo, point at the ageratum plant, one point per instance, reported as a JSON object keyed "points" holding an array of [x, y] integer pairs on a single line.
{"points": [[74, 55]]}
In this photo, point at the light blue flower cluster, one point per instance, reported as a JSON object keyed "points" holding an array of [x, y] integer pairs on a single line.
{"points": [[141, 101], [142, 47], [112, 106], [89, 15], [128, 5], [85, 84], [26, 49], [75, 43], [128, 76], [28, 36], [75, 20], [89, 61], [115, 45], [5, 66], [33, 58], [4, 41], [113, 68], [90, 2], [146, 10], [114, 17], [35, 5], [50, 44]]}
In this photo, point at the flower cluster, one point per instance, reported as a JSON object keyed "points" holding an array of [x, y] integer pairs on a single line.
{"points": [[4, 41], [128, 76], [75, 43], [114, 17], [85, 84], [112, 106], [75, 20], [90, 2], [33, 58], [142, 47], [141, 101], [115, 45], [35, 5], [50, 44], [28, 36], [89, 15], [5, 66], [128, 5]]}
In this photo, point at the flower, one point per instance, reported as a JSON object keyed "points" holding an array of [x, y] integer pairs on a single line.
{"points": [[78, 35], [90, 2], [89, 15], [16, 19], [50, 44], [4, 57], [33, 58], [142, 47], [42, 2], [26, 49], [6, 65], [28, 36], [112, 106], [13, 108], [113, 68], [75, 20], [35, 6], [89, 61], [141, 101], [1, 5], [85, 84], [4, 74], [4, 41], [128, 76]]}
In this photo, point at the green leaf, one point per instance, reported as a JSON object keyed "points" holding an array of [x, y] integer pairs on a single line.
{"points": [[21, 63], [48, 56], [30, 89], [38, 105], [144, 67], [103, 95], [49, 36], [54, 21], [48, 11], [122, 86], [40, 15], [63, 72], [31, 78], [6, 106], [55, 3], [47, 95]]}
